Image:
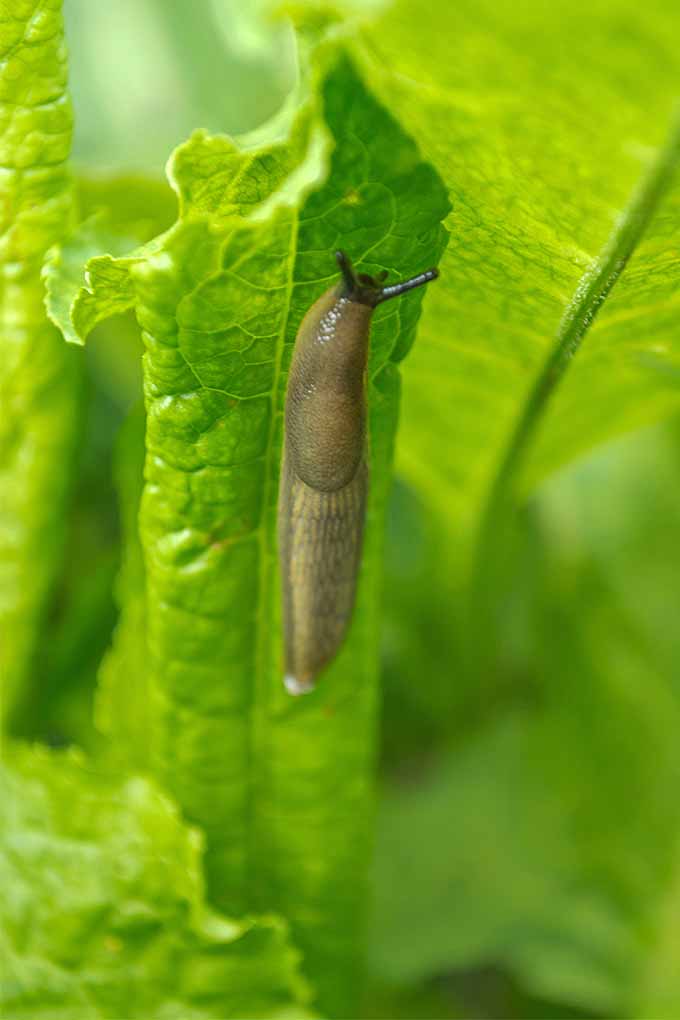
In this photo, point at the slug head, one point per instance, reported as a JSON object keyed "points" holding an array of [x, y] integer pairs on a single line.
{"points": [[370, 290]]}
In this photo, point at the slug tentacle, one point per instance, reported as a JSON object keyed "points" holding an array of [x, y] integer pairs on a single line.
{"points": [[400, 288], [369, 290], [324, 476]]}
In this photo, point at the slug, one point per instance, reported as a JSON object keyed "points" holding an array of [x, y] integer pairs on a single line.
{"points": [[324, 475]]}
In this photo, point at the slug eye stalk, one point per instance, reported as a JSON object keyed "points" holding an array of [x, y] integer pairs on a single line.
{"points": [[324, 476], [369, 290]]}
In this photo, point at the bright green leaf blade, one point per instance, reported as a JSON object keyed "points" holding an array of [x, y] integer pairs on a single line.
{"points": [[281, 787], [103, 915], [39, 382], [295, 772], [541, 130]]}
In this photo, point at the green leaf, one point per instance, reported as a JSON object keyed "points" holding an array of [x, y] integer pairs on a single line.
{"points": [[281, 787], [295, 771], [548, 125], [40, 379], [103, 912], [545, 135], [119, 213], [76, 306], [211, 177]]}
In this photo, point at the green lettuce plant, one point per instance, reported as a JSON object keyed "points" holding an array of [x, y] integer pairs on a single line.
{"points": [[103, 910], [538, 163], [40, 382]]}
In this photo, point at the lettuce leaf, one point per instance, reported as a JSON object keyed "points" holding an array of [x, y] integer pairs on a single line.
{"points": [[103, 911], [282, 788], [40, 378]]}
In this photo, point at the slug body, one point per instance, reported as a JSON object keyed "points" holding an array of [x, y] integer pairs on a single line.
{"points": [[324, 475]]}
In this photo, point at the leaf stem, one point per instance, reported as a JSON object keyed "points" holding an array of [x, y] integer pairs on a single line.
{"points": [[589, 296]]}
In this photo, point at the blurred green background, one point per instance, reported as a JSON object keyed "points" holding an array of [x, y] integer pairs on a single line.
{"points": [[527, 860]]}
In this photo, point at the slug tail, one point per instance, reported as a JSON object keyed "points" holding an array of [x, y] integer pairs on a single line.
{"points": [[297, 686]]}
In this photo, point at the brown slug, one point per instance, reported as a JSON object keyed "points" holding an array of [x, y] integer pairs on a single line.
{"points": [[324, 475]]}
